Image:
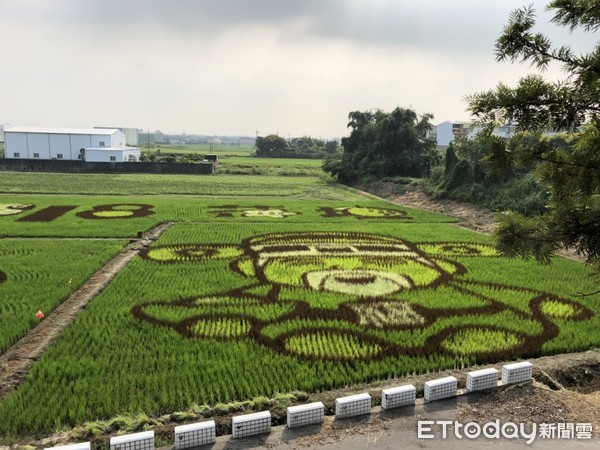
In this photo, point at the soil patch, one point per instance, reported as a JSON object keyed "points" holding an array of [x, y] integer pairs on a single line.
{"points": [[470, 216]]}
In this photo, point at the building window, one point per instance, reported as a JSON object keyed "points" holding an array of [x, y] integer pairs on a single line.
{"points": [[101, 144], [59, 156], [113, 158], [17, 155], [36, 155]]}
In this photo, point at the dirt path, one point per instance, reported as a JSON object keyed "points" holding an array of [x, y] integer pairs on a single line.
{"points": [[16, 362], [470, 216]]}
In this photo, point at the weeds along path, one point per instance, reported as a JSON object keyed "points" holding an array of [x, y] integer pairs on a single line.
{"points": [[16, 362]]}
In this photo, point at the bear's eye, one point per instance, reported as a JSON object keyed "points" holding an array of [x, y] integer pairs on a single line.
{"points": [[285, 248], [334, 249]]}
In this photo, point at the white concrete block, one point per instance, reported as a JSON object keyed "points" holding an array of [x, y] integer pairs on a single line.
{"points": [[482, 379], [398, 396], [352, 405], [517, 372], [251, 424], [301, 415], [195, 434], [135, 441], [440, 388]]}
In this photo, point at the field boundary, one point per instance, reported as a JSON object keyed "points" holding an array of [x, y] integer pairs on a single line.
{"points": [[16, 362], [65, 166]]}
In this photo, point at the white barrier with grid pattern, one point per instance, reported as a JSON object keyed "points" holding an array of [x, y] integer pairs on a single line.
{"points": [[398, 396], [195, 434], [298, 416], [353, 405], [81, 446], [517, 372], [482, 379], [251, 424], [440, 388], [135, 441]]}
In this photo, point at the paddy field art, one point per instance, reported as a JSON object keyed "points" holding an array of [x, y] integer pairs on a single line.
{"points": [[262, 287]]}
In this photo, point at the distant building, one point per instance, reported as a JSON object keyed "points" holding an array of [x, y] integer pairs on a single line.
{"points": [[94, 144], [445, 132], [146, 137], [132, 135]]}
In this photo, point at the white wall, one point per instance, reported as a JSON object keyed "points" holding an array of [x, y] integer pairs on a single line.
{"points": [[60, 143], [132, 136], [444, 133], [38, 143], [136, 153], [118, 139], [102, 155], [96, 139], [78, 141], [15, 143], [98, 155]]}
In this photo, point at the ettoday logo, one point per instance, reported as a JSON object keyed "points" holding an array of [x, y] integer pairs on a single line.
{"points": [[429, 429]]}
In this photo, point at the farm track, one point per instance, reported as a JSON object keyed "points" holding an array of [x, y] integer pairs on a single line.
{"points": [[470, 216], [16, 362]]}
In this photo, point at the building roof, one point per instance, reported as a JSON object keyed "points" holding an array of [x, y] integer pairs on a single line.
{"points": [[112, 149], [457, 122], [94, 131]]}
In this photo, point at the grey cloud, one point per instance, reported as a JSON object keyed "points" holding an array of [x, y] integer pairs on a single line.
{"points": [[428, 24]]}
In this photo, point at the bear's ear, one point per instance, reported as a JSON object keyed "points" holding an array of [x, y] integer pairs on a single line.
{"points": [[243, 266], [456, 249], [175, 253]]}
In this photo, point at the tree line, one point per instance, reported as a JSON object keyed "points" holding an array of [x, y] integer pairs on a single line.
{"points": [[274, 146], [560, 176]]}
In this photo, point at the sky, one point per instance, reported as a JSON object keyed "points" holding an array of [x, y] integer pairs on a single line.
{"points": [[241, 67]]}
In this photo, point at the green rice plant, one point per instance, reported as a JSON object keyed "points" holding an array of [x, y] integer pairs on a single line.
{"points": [[40, 275], [558, 309], [126, 216], [476, 340], [223, 310], [220, 328], [330, 345]]}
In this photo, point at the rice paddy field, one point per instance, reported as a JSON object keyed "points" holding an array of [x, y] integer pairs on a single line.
{"points": [[258, 289]]}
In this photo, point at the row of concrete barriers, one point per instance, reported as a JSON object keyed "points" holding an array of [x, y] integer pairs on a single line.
{"points": [[204, 433]]}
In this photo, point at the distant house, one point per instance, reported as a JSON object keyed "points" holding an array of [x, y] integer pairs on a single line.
{"points": [[445, 132], [93, 144], [132, 135]]}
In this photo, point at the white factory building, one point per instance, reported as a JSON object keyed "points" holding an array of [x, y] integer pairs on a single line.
{"points": [[88, 144]]}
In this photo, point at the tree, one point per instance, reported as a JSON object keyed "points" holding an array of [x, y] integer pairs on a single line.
{"points": [[384, 144], [274, 146], [570, 172], [271, 146]]}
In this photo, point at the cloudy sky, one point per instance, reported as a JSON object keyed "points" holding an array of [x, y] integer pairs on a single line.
{"points": [[293, 67]]}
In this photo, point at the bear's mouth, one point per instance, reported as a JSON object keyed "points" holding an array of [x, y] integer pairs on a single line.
{"points": [[359, 280]]}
